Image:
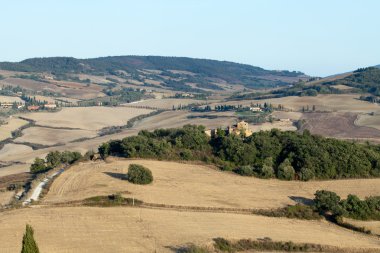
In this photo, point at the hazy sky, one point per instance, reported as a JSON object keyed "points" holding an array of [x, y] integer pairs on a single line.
{"points": [[320, 37]]}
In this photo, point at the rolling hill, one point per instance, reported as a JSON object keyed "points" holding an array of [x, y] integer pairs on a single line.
{"points": [[206, 74]]}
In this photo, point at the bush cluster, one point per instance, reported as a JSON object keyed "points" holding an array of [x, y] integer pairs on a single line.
{"points": [[265, 245], [138, 174], [328, 202]]}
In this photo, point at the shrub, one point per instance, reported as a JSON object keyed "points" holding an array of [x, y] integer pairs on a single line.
{"points": [[327, 201], [111, 200], [29, 245], [38, 166], [193, 249], [244, 170], [138, 174], [293, 212], [306, 174], [286, 171]]}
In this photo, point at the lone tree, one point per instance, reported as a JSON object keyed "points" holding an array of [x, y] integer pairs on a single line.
{"points": [[29, 245], [138, 174]]}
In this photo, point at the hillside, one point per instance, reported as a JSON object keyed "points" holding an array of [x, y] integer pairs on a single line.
{"points": [[363, 79], [204, 73]]}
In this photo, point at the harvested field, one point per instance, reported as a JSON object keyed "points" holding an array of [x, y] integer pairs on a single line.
{"points": [[91, 229], [172, 119], [11, 149], [5, 197], [287, 115], [14, 169], [51, 136], [12, 125], [368, 120], [282, 125], [333, 103], [44, 98], [374, 226], [166, 103], [194, 185], [338, 125], [8, 99], [70, 89], [29, 84], [87, 118]]}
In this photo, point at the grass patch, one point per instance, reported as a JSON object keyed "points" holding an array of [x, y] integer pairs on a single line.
{"points": [[293, 212], [111, 200], [266, 244]]}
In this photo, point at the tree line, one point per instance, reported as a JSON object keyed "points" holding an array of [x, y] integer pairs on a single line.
{"points": [[266, 154], [54, 159]]}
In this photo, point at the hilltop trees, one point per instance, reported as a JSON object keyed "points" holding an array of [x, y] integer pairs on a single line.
{"points": [[29, 245], [53, 159], [266, 154]]}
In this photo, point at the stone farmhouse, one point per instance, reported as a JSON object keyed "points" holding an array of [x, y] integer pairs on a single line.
{"points": [[241, 127]]}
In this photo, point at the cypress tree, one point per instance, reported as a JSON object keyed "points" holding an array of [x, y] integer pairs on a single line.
{"points": [[29, 245]]}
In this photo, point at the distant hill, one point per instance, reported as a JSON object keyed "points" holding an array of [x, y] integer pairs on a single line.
{"points": [[364, 79], [201, 71]]}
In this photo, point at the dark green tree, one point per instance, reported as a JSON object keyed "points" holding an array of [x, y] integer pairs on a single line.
{"points": [[38, 165], [29, 245], [138, 174]]}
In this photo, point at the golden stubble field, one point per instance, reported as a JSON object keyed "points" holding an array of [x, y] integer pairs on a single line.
{"points": [[86, 118], [11, 125], [51, 136], [194, 185], [92, 229]]}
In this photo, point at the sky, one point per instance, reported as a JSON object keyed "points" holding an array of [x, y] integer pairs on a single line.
{"points": [[320, 38]]}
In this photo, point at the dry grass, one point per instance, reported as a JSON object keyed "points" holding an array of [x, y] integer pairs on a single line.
{"points": [[87, 118], [12, 125], [50, 136], [194, 185], [86, 229]]}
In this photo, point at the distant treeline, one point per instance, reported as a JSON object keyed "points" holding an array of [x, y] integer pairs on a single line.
{"points": [[266, 154]]}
